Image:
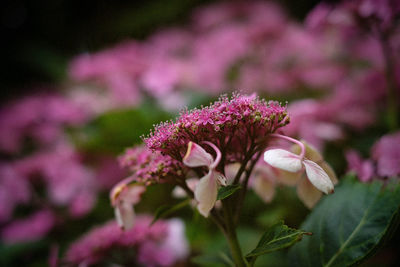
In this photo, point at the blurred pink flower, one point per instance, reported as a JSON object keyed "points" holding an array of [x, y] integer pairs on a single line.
{"points": [[363, 168], [14, 190], [66, 179], [40, 117], [28, 229], [152, 243], [386, 152]]}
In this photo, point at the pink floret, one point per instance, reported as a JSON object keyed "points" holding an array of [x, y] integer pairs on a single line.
{"points": [[229, 120]]}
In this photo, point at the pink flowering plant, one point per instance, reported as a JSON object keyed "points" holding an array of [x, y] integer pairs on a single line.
{"points": [[194, 151], [232, 170]]}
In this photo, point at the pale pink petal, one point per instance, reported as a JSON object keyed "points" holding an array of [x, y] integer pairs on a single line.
{"points": [[119, 188], [318, 177], [264, 188], [231, 171], [206, 193], [221, 179], [288, 178], [331, 173], [196, 156], [178, 192], [283, 159], [125, 215], [307, 193], [132, 194]]}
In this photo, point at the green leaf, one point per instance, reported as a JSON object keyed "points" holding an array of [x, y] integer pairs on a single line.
{"points": [[165, 210], [115, 130], [349, 225], [277, 237], [226, 191]]}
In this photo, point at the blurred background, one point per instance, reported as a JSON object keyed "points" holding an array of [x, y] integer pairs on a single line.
{"points": [[84, 80], [42, 36]]}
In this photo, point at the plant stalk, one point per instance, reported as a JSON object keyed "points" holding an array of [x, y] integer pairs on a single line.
{"points": [[231, 237]]}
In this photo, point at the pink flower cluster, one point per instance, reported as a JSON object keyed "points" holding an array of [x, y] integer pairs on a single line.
{"points": [[31, 228], [40, 118], [227, 45], [160, 244], [43, 170], [68, 182], [229, 123], [384, 162], [353, 33], [46, 182], [149, 167]]}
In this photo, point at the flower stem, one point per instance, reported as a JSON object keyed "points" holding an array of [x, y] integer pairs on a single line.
{"points": [[231, 237], [392, 97], [302, 147]]}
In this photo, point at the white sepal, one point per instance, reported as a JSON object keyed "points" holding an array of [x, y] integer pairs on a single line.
{"points": [[206, 193], [283, 159], [318, 177], [307, 193], [125, 215], [196, 156]]}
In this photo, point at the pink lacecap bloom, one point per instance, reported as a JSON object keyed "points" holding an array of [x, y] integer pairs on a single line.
{"points": [[41, 117], [116, 68], [152, 243], [14, 190], [312, 122], [386, 152], [384, 11], [227, 115], [67, 180], [363, 168], [31, 228], [216, 52]]}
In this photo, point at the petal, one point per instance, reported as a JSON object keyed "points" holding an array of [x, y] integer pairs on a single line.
{"points": [[288, 178], [125, 215], [283, 159], [132, 193], [318, 177], [196, 156], [206, 193], [264, 188], [231, 170], [331, 173], [221, 179], [307, 193], [119, 188], [178, 192]]}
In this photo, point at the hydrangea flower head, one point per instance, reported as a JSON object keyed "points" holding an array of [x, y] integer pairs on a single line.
{"points": [[152, 244], [229, 123]]}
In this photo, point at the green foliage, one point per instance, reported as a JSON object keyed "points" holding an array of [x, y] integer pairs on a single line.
{"points": [[220, 259], [118, 129], [165, 210], [349, 225], [10, 255], [226, 191], [279, 236]]}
